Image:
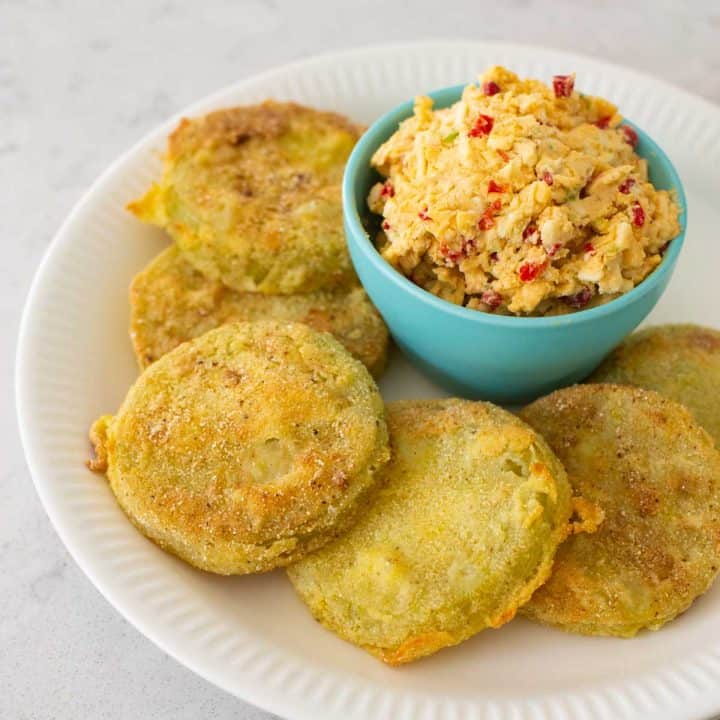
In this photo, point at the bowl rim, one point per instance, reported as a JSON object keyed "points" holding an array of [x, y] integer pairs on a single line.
{"points": [[357, 235]]}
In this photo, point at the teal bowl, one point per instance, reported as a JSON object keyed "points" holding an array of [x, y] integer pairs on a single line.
{"points": [[479, 355]]}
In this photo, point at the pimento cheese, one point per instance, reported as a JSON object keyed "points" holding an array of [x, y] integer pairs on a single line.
{"points": [[520, 199]]}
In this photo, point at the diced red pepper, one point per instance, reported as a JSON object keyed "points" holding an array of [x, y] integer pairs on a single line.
{"points": [[387, 190], [530, 270], [631, 136], [423, 214], [563, 85], [487, 219], [552, 250], [486, 222], [547, 177], [531, 234], [625, 186], [482, 126], [491, 87], [503, 155], [638, 214], [603, 122], [579, 299], [491, 298], [467, 245], [494, 187], [449, 253], [589, 247], [386, 225]]}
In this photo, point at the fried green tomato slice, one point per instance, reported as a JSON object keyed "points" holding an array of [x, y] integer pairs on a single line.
{"points": [[681, 362], [252, 197], [171, 302], [656, 476], [464, 529], [244, 449]]}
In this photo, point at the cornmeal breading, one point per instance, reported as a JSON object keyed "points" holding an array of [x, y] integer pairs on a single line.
{"points": [[247, 447], [656, 475], [464, 529], [681, 362], [252, 197], [171, 302]]}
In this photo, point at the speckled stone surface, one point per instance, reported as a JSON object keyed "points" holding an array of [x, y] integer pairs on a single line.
{"points": [[79, 83]]}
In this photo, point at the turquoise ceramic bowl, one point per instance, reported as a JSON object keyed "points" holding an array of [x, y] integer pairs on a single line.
{"points": [[475, 354]]}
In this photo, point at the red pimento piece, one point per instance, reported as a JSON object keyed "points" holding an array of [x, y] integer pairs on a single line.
{"points": [[631, 136], [494, 187], [638, 214], [450, 254], [423, 214], [625, 185], [547, 177], [552, 250], [387, 190], [490, 87], [483, 126], [589, 248], [487, 219], [563, 85], [530, 270], [603, 122], [579, 300], [455, 255], [491, 298], [386, 225], [503, 155], [531, 234]]}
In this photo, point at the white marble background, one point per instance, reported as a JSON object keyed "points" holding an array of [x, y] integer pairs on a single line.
{"points": [[79, 83]]}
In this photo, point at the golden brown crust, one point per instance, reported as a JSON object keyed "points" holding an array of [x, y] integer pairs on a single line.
{"points": [[171, 302], [252, 197], [234, 126], [656, 476], [98, 440], [681, 362], [462, 532], [247, 447], [413, 648]]}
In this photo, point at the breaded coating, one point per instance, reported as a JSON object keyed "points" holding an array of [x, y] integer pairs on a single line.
{"points": [[244, 449], [656, 475], [681, 362], [171, 302], [252, 197], [464, 529]]}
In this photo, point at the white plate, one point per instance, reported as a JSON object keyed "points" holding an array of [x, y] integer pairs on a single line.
{"points": [[251, 635]]}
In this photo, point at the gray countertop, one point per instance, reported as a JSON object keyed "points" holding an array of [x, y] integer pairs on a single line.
{"points": [[79, 83]]}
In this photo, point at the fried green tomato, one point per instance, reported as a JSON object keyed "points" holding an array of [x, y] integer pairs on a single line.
{"points": [[656, 476], [464, 529], [171, 302], [244, 449], [681, 362], [252, 197]]}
